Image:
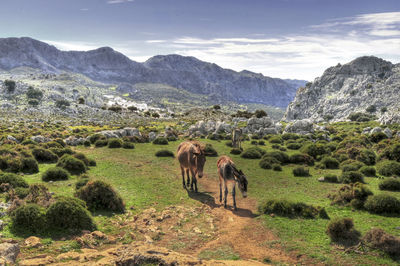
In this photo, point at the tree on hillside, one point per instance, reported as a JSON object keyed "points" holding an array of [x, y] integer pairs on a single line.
{"points": [[62, 104], [10, 85], [33, 93]]}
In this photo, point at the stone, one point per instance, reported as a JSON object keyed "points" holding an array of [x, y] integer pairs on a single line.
{"points": [[302, 127], [375, 130], [33, 242], [388, 132], [9, 251], [152, 136]]}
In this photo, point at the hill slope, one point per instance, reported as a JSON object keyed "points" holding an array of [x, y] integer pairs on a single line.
{"points": [[343, 89], [188, 73]]}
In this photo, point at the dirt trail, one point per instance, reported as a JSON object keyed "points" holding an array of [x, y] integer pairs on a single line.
{"points": [[239, 229]]}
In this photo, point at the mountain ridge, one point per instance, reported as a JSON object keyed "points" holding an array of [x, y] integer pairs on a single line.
{"points": [[189, 73]]}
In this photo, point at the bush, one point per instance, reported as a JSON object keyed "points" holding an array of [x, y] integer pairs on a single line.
{"points": [[55, 174], [351, 177], [99, 195], [160, 141], [28, 218], [379, 239], [388, 168], [350, 165], [377, 137], [165, 153], [301, 171], [13, 179], [265, 164], [294, 146], [291, 209], [236, 151], [101, 143], [315, 150], [82, 181], [361, 117], [342, 230], [331, 178], [61, 151], [348, 193], [128, 145], [367, 156], [96, 137], [382, 204], [276, 167], [29, 165], [87, 143], [210, 151], [276, 140], [280, 156], [73, 165], [69, 213], [390, 184], [44, 156], [114, 143], [301, 158], [330, 163], [288, 136], [251, 153], [368, 171]]}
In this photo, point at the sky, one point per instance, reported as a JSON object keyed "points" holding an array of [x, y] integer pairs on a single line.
{"points": [[296, 39]]}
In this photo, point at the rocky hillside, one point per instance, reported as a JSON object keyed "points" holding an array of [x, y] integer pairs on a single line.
{"points": [[188, 73], [366, 84]]}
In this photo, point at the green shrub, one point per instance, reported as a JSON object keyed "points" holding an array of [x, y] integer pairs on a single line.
{"points": [[44, 156], [265, 164], [160, 141], [301, 158], [390, 184], [382, 204], [368, 157], [101, 143], [21, 192], [294, 146], [61, 151], [315, 149], [301, 171], [236, 151], [114, 143], [351, 165], [82, 181], [210, 151], [99, 195], [87, 143], [251, 153], [368, 171], [361, 117], [330, 163], [83, 158], [55, 174], [288, 136], [73, 165], [276, 140], [276, 167], [348, 193], [261, 143], [29, 165], [69, 213], [379, 239], [280, 156], [342, 230], [377, 137], [96, 137], [388, 168], [164, 153], [128, 145], [351, 177], [331, 178], [28, 218], [13, 179], [395, 153], [291, 209]]}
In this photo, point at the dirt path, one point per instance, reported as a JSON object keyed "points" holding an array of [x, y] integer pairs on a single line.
{"points": [[240, 230]]}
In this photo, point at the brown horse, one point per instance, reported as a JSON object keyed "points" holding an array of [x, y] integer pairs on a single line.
{"points": [[229, 176], [192, 158]]}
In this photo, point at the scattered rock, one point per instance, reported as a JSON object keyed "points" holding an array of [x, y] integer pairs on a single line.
{"points": [[33, 242], [9, 251]]}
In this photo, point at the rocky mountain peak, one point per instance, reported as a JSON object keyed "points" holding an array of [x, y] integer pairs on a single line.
{"points": [[365, 82]]}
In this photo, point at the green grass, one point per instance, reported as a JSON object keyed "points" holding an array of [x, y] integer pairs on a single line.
{"points": [[224, 252], [144, 181]]}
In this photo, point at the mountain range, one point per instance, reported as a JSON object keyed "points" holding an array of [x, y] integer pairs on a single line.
{"points": [[185, 73]]}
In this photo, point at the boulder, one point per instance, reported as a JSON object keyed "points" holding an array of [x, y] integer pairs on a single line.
{"points": [[302, 127], [9, 252], [375, 130], [152, 136], [40, 139], [388, 132], [33, 242], [11, 138]]}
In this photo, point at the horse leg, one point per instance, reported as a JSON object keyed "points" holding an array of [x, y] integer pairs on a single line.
{"points": [[194, 181], [233, 197], [220, 191], [183, 177], [188, 178], [225, 195]]}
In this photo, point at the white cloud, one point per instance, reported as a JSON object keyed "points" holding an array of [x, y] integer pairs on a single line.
{"points": [[72, 46], [118, 1], [156, 41]]}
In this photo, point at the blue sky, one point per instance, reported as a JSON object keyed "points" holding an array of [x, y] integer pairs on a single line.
{"points": [[279, 38]]}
